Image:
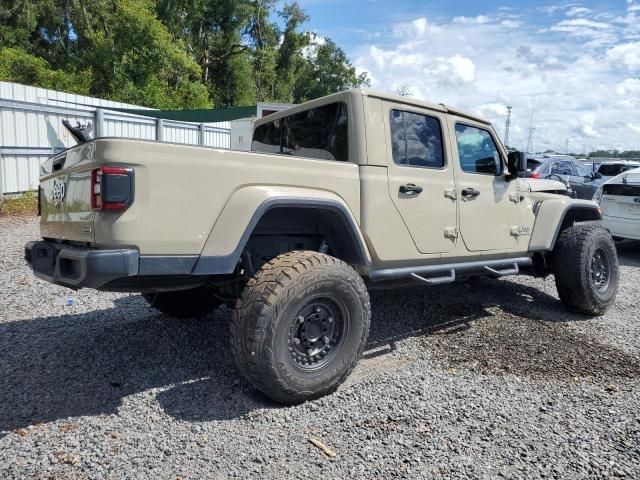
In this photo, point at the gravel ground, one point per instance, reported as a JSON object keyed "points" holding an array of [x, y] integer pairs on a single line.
{"points": [[490, 379]]}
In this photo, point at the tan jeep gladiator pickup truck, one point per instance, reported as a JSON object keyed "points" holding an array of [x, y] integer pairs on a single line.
{"points": [[349, 191]]}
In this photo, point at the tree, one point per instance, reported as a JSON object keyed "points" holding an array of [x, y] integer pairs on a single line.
{"points": [[171, 53], [16, 65], [404, 90], [326, 71]]}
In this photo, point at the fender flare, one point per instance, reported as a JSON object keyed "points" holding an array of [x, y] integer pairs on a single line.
{"points": [[208, 264], [552, 216]]}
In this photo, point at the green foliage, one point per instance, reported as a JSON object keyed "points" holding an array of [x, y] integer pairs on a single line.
{"points": [[16, 65], [327, 71], [170, 54], [628, 155]]}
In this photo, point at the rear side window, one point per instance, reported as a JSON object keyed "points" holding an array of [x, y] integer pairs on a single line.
{"points": [[266, 138], [477, 150], [320, 133], [532, 165], [416, 140]]}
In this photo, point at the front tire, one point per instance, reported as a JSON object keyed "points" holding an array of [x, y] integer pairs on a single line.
{"points": [[300, 326], [586, 269], [191, 303]]}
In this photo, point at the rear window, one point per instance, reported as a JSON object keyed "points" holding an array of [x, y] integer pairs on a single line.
{"points": [[621, 190], [615, 169], [320, 133]]}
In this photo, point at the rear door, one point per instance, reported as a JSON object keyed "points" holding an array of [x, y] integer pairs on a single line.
{"points": [[488, 203], [65, 196], [421, 181]]}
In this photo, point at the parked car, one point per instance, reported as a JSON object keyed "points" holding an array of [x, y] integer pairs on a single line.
{"points": [[619, 199], [608, 170], [579, 179]]}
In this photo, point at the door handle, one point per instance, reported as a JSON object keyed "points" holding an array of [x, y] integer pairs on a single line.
{"points": [[468, 193], [411, 189]]}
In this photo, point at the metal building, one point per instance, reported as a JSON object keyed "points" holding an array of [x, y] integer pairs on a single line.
{"points": [[31, 129]]}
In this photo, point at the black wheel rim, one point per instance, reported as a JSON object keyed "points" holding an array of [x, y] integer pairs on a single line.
{"points": [[316, 334], [600, 269]]}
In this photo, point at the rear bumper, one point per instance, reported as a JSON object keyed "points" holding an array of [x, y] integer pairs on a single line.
{"points": [[77, 267], [622, 227]]}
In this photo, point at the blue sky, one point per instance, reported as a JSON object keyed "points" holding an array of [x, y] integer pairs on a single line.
{"points": [[576, 63]]}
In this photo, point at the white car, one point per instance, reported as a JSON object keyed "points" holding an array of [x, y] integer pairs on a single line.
{"points": [[619, 199]]}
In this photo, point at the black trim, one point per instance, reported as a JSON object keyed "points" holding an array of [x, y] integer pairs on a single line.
{"points": [[77, 267], [227, 264], [167, 264]]}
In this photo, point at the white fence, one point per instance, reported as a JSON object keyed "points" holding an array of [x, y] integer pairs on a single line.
{"points": [[31, 129]]}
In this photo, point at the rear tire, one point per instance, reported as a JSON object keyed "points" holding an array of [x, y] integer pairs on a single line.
{"points": [[300, 326], [586, 269], [195, 302]]}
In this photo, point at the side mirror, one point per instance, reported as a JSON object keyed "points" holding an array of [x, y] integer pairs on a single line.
{"points": [[517, 164], [596, 175]]}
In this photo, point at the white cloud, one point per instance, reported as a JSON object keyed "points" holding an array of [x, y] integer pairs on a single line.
{"points": [[511, 23], [578, 11], [581, 27], [584, 86], [451, 72], [420, 25], [497, 109], [631, 86], [633, 127], [627, 54], [479, 20], [585, 126]]}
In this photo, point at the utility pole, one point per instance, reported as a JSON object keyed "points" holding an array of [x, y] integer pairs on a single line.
{"points": [[531, 130], [530, 145], [568, 140], [507, 127]]}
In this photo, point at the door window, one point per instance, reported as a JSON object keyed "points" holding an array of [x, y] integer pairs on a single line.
{"points": [[416, 140], [477, 151], [562, 168]]}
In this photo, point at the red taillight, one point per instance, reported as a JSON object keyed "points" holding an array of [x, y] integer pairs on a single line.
{"points": [[535, 175], [111, 188]]}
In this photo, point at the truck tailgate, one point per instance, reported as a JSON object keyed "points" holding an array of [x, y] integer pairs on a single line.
{"points": [[65, 195]]}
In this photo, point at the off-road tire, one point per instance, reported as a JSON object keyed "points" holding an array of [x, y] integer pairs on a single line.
{"points": [[265, 315], [575, 259], [191, 303]]}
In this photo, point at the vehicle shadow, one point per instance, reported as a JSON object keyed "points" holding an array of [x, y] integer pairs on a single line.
{"points": [[629, 253], [52, 368]]}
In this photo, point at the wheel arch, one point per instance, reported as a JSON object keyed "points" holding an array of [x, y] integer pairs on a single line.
{"points": [[231, 233], [553, 216]]}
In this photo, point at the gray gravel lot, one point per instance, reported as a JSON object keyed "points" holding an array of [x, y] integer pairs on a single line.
{"points": [[490, 379]]}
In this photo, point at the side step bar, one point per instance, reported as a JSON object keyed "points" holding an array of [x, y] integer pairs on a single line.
{"points": [[447, 273]]}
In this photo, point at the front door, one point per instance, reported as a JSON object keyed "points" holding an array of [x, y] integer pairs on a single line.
{"points": [[488, 203], [421, 182]]}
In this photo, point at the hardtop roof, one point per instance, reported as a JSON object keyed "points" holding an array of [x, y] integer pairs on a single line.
{"points": [[342, 96]]}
